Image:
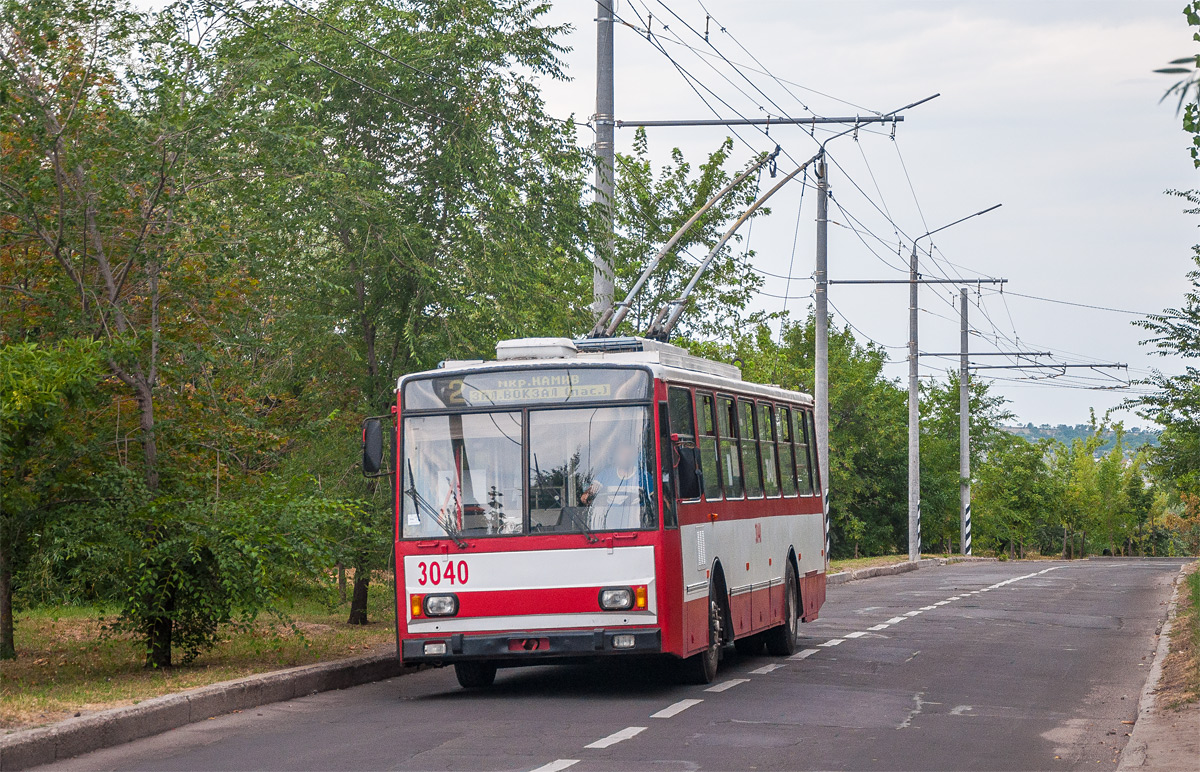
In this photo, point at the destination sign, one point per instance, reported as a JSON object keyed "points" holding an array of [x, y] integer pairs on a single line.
{"points": [[557, 386]]}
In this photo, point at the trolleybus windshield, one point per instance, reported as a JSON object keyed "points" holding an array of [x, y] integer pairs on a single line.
{"points": [[526, 467]]}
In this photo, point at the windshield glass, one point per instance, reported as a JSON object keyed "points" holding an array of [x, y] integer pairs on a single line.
{"points": [[591, 469], [462, 474]]}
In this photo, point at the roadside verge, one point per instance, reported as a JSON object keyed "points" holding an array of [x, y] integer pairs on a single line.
{"points": [[1163, 739], [75, 736], [899, 568]]}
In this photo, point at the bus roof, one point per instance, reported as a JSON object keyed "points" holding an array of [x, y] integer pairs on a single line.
{"points": [[665, 361]]}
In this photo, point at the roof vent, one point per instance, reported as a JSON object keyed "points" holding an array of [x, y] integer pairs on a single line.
{"points": [[535, 348]]}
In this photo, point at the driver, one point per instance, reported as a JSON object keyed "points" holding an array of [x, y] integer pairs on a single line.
{"points": [[625, 484]]}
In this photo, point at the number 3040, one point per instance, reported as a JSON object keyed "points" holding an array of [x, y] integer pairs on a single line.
{"points": [[436, 573]]}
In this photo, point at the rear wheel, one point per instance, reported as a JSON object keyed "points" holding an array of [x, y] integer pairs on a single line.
{"points": [[702, 668], [475, 675], [781, 641]]}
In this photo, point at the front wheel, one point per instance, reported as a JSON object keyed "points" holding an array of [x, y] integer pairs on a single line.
{"points": [[702, 668], [781, 641], [475, 675]]}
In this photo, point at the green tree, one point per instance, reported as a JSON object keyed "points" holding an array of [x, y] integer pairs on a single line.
{"points": [[38, 386], [1013, 493], [649, 209]]}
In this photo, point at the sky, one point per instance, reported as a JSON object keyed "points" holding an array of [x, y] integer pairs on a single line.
{"points": [[1049, 108]]}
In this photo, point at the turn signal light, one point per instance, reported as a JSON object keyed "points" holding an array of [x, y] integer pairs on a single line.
{"points": [[418, 604], [639, 593]]}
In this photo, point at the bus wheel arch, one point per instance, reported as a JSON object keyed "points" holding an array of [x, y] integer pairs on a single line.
{"points": [[720, 588]]}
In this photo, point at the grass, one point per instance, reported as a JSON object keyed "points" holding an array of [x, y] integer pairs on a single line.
{"points": [[1180, 681], [853, 564], [65, 666]]}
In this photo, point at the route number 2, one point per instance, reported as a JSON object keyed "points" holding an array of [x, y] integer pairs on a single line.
{"points": [[434, 573]]}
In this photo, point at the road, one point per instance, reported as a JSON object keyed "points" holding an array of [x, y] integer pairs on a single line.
{"points": [[1032, 665]]}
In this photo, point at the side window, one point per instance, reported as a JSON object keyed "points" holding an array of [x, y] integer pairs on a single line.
{"points": [[731, 462], [803, 464], [684, 456], [710, 463], [766, 437], [750, 454], [787, 469], [669, 482], [813, 461]]}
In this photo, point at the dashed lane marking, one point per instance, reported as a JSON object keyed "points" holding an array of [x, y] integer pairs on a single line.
{"points": [[833, 642], [555, 766], [765, 669], [878, 627], [856, 634], [732, 682], [616, 737], [803, 654], [928, 608], [941, 603], [895, 620], [911, 613], [674, 710]]}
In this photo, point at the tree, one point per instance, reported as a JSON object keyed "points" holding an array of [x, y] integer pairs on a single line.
{"points": [[37, 387], [1013, 493], [649, 209]]}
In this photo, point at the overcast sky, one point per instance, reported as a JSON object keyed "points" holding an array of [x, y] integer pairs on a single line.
{"points": [[1050, 108]]}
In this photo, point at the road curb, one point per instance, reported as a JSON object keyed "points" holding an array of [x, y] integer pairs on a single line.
{"points": [[899, 568], [1134, 754], [75, 736]]}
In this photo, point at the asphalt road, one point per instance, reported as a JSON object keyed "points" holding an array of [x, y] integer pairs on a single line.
{"points": [[980, 666]]}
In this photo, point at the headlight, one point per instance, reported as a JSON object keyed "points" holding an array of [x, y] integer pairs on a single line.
{"points": [[441, 605], [616, 599]]}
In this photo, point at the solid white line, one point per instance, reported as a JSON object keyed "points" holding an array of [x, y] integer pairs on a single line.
{"points": [[616, 737], [676, 709], [856, 634], [803, 654], [833, 642], [895, 620], [765, 669], [724, 685], [879, 627], [555, 766]]}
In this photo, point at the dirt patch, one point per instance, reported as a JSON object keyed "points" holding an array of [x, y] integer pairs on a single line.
{"points": [[1180, 682]]}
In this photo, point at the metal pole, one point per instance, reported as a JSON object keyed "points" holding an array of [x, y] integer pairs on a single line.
{"points": [[964, 435], [820, 298], [602, 275], [914, 418]]}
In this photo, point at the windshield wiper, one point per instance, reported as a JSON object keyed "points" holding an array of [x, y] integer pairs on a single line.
{"points": [[419, 501]]}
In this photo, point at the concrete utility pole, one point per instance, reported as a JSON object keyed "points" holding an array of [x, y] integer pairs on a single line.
{"points": [[821, 362], [914, 417], [964, 434], [602, 274], [914, 397]]}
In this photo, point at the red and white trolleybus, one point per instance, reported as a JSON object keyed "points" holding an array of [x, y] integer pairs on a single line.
{"points": [[600, 497]]}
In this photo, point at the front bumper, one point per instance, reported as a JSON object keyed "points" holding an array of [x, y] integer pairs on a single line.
{"points": [[499, 647]]}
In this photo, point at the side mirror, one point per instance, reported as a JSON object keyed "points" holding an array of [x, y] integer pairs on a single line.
{"points": [[689, 470], [372, 447]]}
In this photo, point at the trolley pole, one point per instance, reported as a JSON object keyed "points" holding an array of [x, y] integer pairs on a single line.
{"points": [[821, 363], [602, 274], [964, 434]]}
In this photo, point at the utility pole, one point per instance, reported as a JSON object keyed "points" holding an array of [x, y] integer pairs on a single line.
{"points": [[964, 434], [821, 362], [914, 418], [602, 249]]}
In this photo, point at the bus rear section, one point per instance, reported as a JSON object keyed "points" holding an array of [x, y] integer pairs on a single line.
{"points": [[546, 511]]}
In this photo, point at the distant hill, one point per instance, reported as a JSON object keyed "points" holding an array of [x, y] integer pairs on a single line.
{"points": [[1134, 437]]}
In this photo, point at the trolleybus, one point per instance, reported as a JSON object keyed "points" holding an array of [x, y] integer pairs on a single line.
{"points": [[599, 498]]}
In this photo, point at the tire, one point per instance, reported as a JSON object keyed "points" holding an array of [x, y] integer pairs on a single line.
{"points": [[475, 675], [750, 646], [702, 668], [781, 641]]}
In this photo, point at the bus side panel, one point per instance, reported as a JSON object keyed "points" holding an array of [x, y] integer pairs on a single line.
{"points": [[670, 591]]}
